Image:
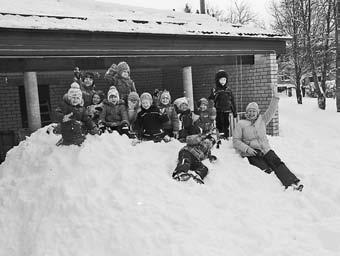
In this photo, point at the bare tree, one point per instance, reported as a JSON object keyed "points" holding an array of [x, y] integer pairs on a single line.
{"points": [[240, 13]]}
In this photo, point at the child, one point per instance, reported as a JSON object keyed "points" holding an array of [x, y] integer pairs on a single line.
{"points": [[96, 108], [122, 81], [133, 107], [190, 158], [87, 87], [172, 126], [114, 115], [150, 120], [224, 101], [251, 141], [207, 116], [187, 119], [73, 119]]}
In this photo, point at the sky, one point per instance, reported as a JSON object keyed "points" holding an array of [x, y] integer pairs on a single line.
{"points": [[108, 197], [260, 7]]}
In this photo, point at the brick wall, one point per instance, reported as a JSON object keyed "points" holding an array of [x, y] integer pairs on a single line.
{"points": [[248, 83], [10, 115]]}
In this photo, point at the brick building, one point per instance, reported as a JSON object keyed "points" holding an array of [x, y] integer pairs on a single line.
{"points": [[166, 50]]}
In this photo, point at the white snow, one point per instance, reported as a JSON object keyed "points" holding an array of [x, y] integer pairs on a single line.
{"points": [[109, 198], [90, 15]]}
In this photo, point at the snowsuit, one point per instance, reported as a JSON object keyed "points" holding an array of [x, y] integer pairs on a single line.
{"points": [[224, 104], [149, 124], [114, 116], [190, 157], [248, 134], [189, 127], [74, 130], [173, 124], [87, 94]]}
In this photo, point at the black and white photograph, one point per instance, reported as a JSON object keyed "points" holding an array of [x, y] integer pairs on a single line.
{"points": [[169, 127]]}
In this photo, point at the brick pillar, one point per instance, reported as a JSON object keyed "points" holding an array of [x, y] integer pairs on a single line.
{"points": [[266, 69], [188, 87], [32, 100]]}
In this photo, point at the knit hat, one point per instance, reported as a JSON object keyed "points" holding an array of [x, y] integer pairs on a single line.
{"points": [[220, 74], [253, 105], [123, 66], [112, 91], [165, 93], [178, 102], [203, 101], [146, 96], [74, 91], [133, 96]]}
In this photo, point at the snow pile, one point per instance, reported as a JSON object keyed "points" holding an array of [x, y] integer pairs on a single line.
{"points": [[110, 198]]}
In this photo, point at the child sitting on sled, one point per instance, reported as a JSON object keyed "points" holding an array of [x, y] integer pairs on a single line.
{"points": [[190, 158]]}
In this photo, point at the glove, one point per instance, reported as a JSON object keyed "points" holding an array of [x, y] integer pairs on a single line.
{"points": [[212, 158]]}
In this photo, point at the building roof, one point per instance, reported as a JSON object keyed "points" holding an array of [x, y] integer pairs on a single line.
{"points": [[90, 15]]}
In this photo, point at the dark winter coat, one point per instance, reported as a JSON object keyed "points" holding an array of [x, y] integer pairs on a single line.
{"points": [[173, 122], [150, 121], [80, 123], [124, 86], [187, 119], [87, 93], [114, 114], [223, 98]]}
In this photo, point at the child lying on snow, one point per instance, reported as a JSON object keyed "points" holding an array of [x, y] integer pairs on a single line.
{"points": [[190, 158]]}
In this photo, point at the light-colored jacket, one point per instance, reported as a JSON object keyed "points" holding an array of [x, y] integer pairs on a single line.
{"points": [[253, 134]]}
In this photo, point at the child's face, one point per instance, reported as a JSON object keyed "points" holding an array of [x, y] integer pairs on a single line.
{"points": [[113, 99], [203, 107], [183, 107], [95, 99], [88, 81], [146, 104], [165, 100], [132, 103], [75, 100], [223, 80], [125, 74], [251, 114]]}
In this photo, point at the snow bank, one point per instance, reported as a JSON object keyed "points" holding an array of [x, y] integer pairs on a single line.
{"points": [[110, 198]]}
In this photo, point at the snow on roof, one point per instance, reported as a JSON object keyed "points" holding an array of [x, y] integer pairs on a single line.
{"points": [[92, 15]]}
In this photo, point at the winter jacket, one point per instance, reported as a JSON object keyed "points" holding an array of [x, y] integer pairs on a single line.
{"points": [[253, 134], [206, 119], [114, 114], [87, 94], [150, 121], [124, 86], [198, 147], [79, 113], [224, 99], [187, 118], [173, 122]]}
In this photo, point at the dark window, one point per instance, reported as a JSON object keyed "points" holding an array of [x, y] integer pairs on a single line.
{"points": [[45, 105]]}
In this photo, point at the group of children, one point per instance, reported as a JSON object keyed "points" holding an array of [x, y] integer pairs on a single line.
{"points": [[142, 117]]}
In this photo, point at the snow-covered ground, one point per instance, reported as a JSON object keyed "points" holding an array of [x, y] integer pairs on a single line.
{"points": [[109, 198]]}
